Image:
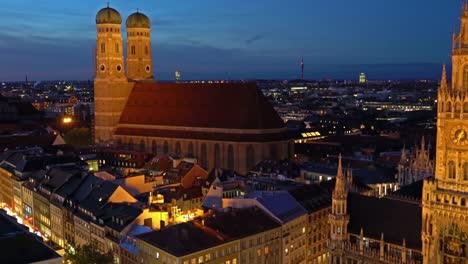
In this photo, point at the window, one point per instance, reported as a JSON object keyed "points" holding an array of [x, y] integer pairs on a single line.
{"points": [[133, 50], [203, 154], [465, 171], [146, 50], [230, 157], [217, 162], [449, 107], [250, 156], [190, 149], [451, 170], [178, 149], [465, 77], [103, 47], [117, 49], [166, 147]]}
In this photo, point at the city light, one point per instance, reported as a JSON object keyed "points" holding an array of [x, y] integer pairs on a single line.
{"points": [[67, 120]]}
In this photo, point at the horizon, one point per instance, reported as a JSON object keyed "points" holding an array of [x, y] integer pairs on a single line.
{"points": [[206, 41]]}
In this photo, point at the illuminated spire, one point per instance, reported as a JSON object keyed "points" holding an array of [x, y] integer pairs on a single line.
{"points": [[423, 144], [443, 79], [340, 185]]}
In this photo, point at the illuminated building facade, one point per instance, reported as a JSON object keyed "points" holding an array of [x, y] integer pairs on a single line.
{"points": [[416, 167], [445, 208], [362, 78], [223, 125]]}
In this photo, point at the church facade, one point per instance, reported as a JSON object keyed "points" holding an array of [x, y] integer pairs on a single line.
{"points": [[415, 167], [223, 125], [429, 230]]}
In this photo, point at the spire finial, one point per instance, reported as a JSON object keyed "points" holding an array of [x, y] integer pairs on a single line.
{"points": [[138, 10], [108, 3], [443, 79]]}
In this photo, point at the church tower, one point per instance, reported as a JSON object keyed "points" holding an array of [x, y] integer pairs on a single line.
{"points": [[445, 210], [339, 218], [139, 61], [110, 84]]}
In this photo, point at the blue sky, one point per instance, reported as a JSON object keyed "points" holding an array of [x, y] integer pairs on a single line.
{"points": [[238, 39]]}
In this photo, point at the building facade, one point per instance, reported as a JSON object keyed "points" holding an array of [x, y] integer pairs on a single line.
{"points": [[445, 208], [416, 167], [223, 125]]}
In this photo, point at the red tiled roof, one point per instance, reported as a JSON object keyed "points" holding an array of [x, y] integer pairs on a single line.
{"points": [[214, 105]]}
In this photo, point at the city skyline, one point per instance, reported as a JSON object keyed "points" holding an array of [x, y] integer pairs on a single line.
{"points": [[207, 41]]}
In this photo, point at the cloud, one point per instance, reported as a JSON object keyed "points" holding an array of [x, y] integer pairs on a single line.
{"points": [[253, 39]]}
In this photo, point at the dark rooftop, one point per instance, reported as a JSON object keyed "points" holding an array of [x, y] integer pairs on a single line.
{"points": [[398, 220]]}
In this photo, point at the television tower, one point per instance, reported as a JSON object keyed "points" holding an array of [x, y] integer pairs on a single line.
{"points": [[302, 68]]}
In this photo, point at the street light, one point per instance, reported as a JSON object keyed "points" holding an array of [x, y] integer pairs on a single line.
{"points": [[67, 120]]}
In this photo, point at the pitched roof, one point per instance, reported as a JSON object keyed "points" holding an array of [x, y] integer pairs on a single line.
{"points": [[204, 105], [397, 219], [312, 197]]}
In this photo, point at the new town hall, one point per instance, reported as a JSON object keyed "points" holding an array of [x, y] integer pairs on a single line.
{"points": [[223, 125], [435, 230]]}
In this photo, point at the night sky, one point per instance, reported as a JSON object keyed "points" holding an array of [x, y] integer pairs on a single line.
{"points": [[238, 39]]}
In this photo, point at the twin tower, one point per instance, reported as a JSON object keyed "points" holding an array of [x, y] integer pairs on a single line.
{"points": [[113, 82], [109, 47]]}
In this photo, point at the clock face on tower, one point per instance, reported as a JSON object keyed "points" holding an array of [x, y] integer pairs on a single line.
{"points": [[459, 135]]}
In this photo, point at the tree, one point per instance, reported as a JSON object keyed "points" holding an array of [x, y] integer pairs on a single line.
{"points": [[86, 254]]}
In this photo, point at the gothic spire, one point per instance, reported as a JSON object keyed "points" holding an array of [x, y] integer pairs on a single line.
{"points": [[443, 79], [340, 185]]}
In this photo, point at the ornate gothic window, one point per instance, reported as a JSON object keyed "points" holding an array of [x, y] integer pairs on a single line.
{"points": [[103, 47], [465, 107], [133, 50], [451, 170], [449, 107], [117, 49], [146, 50]]}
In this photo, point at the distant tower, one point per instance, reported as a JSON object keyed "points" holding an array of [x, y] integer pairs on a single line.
{"points": [[178, 75], [362, 78], [109, 101], [302, 69], [139, 61], [339, 217], [26, 81]]}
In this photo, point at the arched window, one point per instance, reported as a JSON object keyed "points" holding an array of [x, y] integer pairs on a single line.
{"points": [[166, 147], [457, 109], [451, 170], [190, 149], [274, 151], [178, 149], [449, 107], [465, 107], [146, 50], [230, 157], [103, 47], [465, 171], [117, 48], [203, 160], [250, 157], [130, 144], [133, 50], [142, 145], [154, 147], [217, 159], [462, 202]]}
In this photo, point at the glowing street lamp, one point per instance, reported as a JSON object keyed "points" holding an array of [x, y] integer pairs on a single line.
{"points": [[67, 120]]}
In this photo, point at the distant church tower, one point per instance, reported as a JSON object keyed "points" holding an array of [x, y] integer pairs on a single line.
{"points": [[339, 217], [445, 208], [110, 85], [139, 61]]}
